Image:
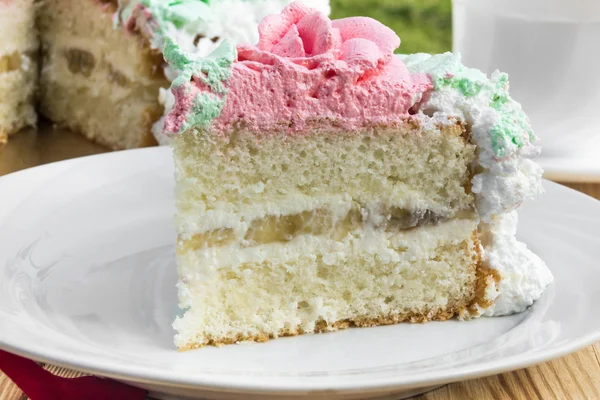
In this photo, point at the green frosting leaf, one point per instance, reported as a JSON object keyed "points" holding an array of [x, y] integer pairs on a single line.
{"points": [[466, 86], [513, 126], [205, 108], [213, 70]]}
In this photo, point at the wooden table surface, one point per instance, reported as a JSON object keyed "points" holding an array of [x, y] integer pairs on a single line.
{"points": [[576, 376]]}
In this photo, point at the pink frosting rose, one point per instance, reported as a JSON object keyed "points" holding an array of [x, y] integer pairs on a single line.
{"points": [[307, 37], [308, 71]]}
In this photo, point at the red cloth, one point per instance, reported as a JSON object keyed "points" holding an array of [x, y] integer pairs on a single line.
{"points": [[39, 384]]}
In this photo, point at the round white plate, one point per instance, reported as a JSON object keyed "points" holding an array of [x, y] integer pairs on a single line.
{"points": [[87, 275]]}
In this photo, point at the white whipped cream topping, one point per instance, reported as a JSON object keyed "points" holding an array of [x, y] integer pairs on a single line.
{"points": [[503, 183], [524, 275]]}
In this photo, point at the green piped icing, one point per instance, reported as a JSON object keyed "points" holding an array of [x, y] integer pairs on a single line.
{"points": [[500, 97], [513, 121], [213, 70], [447, 73], [465, 86]]}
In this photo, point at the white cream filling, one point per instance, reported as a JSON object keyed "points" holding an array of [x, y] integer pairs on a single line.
{"points": [[389, 246], [193, 217], [226, 215]]}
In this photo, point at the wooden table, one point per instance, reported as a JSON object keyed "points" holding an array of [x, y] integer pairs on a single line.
{"points": [[576, 376]]}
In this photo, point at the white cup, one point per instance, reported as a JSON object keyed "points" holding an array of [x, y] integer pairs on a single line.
{"points": [[551, 52]]}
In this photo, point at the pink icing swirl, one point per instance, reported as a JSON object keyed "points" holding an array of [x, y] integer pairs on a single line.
{"points": [[308, 38], [308, 70]]}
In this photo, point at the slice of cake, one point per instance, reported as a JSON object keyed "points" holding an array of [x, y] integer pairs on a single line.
{"points": [[18, 65], [97, 80], [324, 183], [103, 67]]}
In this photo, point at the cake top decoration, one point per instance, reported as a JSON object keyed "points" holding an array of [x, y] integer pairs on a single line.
{"points": [[308, 72], [307, 67], [308, 38]]}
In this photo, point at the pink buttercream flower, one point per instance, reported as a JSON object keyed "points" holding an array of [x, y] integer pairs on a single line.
{"points": [[308, 38], [308, 71]]}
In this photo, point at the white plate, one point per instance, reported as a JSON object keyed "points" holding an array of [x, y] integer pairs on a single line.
{"points": [[87, 278]]}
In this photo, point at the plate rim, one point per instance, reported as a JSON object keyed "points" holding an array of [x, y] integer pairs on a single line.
{"points": [[215, 382], [205, 382]]}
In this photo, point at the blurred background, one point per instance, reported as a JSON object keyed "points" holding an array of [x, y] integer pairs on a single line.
{"points": [[424, 26]]}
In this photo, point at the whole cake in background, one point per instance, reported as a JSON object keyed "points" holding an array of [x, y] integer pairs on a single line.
{"points": [[102, 64], [323, 182], [18, 65]]}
